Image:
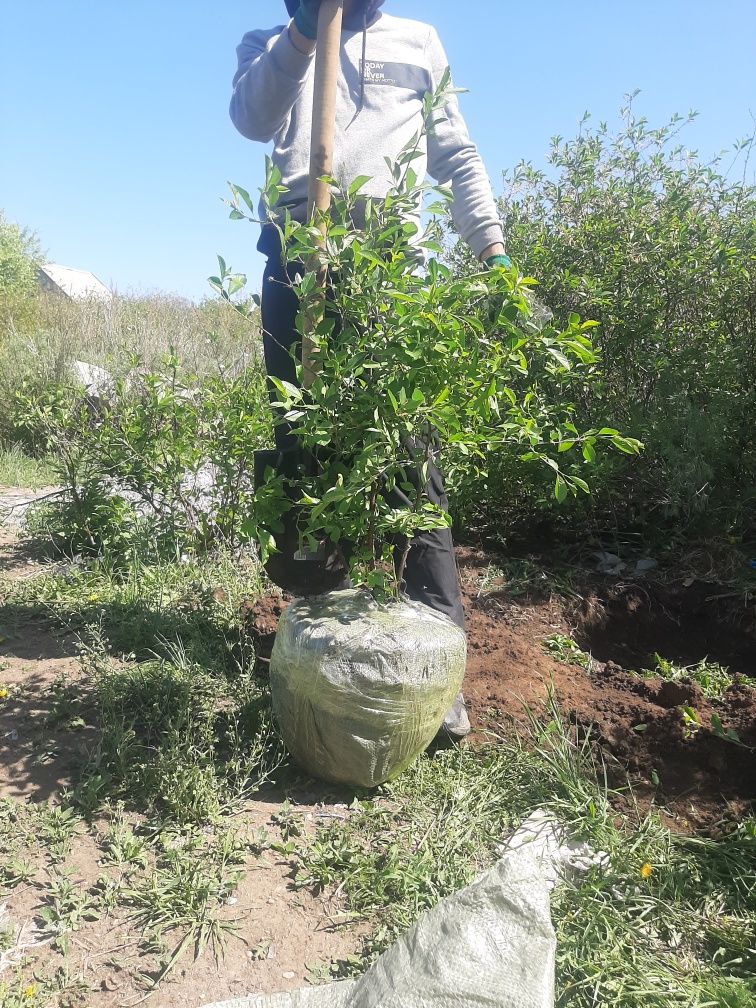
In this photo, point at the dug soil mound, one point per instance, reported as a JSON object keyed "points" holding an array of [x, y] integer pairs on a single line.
{"points": [[260, 621], [695, 754], [679, 748]]}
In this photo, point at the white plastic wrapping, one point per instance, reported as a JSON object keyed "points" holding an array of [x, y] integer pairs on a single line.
{"points": [[359, 689], [490, 945]]}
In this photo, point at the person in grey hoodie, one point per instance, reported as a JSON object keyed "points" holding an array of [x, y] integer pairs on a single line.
{"points": [[388, 64]]}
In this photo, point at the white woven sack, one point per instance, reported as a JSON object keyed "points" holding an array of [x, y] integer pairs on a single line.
{"points": [[491, 945]]}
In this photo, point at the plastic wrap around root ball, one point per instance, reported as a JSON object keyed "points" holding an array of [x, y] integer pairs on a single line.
{"points": [[359, 688]]}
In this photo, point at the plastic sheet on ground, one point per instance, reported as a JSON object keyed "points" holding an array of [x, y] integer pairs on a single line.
{"points": [[490, 945], [359, 689]]}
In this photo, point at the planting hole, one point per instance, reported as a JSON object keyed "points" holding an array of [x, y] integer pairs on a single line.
{"points": [[632, 624]]}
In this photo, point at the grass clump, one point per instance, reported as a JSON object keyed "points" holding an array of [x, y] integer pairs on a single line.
{"points": [[17, 469], [178, 739]]}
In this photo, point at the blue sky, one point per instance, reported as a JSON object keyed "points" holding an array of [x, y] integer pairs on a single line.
{"points": [[115, 141]]}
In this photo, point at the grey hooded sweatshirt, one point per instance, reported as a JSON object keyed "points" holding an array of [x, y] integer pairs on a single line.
{"points": [[378, 110]]}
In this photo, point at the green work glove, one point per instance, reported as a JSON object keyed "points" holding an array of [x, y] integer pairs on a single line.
{"points": [[499, 260], [306, 18]]}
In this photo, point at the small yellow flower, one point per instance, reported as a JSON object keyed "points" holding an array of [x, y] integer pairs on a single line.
{"points": [[93, 597], [30, 991], [646, 870], [3, 693]]}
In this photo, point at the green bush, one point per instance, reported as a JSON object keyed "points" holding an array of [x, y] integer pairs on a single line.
{"points": [[409, 366], [163, 465], [635, 231], [20, 256]]}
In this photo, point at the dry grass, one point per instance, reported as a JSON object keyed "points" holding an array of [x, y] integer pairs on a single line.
{"points": [[207, 337]]}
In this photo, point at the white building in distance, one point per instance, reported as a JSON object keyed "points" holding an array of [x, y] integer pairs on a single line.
{"points": [[75, 284]]}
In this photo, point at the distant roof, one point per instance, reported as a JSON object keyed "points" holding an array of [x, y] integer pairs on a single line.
{"points": [[77, 284]]}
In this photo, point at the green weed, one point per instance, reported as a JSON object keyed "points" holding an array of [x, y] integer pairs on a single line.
{"points": [[713, 679], [121, 845], [334, 969], [565, 649], [65, 704], [18, 992], [60, 988], [191, 882], [180, 728], [18, 843], [67, 907], [56, 828]]}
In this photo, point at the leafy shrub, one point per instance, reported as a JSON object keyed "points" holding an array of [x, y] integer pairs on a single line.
{"points": [[20, 256], [635, 231], [163, 463], [410, 365]]}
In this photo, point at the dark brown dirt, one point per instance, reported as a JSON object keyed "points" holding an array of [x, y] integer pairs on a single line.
{"points": [[260, 620], [637, 723], [629, 623]]}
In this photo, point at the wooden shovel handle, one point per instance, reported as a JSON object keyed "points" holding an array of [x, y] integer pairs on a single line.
{"points": [[327, 67]]}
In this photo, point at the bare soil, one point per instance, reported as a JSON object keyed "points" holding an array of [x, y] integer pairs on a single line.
{"points": [[636, 721]]}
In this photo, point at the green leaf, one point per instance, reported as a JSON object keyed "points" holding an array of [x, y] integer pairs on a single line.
{"points": [[560, 357], [627, 445], [358, 184], [236, 283], [580, 484], [287, 390], [244, 196]]}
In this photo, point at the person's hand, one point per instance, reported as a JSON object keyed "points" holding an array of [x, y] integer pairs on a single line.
{"points": [[500, 259], [306, 19], [540, 313]]}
